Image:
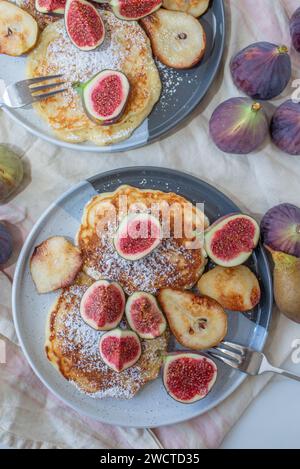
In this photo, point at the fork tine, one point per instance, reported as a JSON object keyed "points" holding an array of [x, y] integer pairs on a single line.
{"points": [[39, 97], [46, 87], [237, 347], [236, 356], [32, 81], [227, 361]]}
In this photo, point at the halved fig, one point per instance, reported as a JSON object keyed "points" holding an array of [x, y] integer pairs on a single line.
{"points": [[18, 30], [231, 240], [56, 7], [105, 96], [188, 377], [197, 322], [54, 264], [84, 24], [103, 304], [137, 236], [120, 349], [134, 9], [144, 315]]}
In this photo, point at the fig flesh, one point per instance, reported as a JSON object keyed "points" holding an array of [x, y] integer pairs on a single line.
{"points": [[144, 315], [286, 284], [231, 240], [137, 236], [188, 377], [6, 244], [11, 172], [239, 126], [84, 25], [103, 304], [56, 7], [280, 228], [295, 29], [134, 9], [285, 127], [262, 70], [120, 349], [105, 96]]}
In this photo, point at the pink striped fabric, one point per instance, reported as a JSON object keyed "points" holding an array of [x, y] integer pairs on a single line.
{"points": [[32, 417]]}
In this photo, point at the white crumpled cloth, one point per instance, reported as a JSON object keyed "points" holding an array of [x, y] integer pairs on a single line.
{"points": [[30, 416]]}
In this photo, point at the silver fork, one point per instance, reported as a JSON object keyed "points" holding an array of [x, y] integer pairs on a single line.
{"points": [[247, 360], [23, 93]]}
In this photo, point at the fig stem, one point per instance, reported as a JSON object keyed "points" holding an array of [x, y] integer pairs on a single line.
{"points": [[78, 87], [256, 107], [283, 49]]}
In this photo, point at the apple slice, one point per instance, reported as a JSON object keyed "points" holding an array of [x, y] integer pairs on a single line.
{"points": [[178, 40], [54, 264], [198, 322], [195, 8], [18, 30]]}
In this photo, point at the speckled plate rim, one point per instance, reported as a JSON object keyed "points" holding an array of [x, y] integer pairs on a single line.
{"points": [[28, 245], [167, 129]]}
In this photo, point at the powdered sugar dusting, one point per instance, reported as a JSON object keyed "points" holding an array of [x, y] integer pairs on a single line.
{"points": [[79, 66], [144, 274], [80, 344]]}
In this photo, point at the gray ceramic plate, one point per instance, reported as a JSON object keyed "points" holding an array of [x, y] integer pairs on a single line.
{"points": [[152, 406], [182, 91]]}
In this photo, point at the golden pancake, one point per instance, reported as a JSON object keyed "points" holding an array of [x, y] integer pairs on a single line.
{"points": [[73, 348], [178, 261], [126, 48]]}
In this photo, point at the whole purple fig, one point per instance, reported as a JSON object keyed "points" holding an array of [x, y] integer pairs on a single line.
{"points": [[295, 29], [262, 70], [239, 126], [285, 127], [280, 228]]}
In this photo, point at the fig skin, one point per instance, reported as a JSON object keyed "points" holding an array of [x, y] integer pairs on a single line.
{"points": [[262, 70], [280, 228], [286, 284], [295, 29], [6, 244], [285, 127], [239, 126]]}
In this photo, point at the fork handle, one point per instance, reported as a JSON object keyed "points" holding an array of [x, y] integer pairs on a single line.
{"points": [[280, 371]]}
